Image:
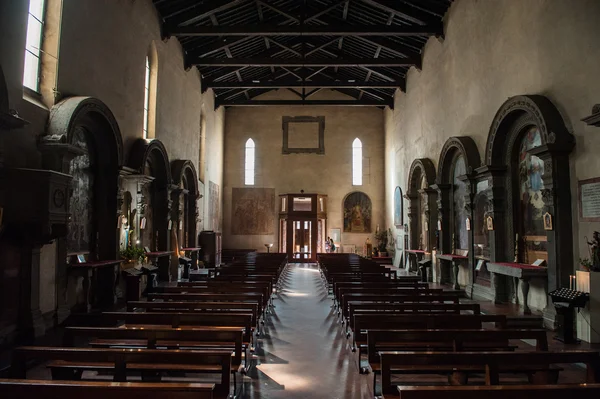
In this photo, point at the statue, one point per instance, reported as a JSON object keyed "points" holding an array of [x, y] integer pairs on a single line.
{"points": [[594, 246]]}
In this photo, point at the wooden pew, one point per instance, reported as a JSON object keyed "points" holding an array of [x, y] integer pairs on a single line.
{"points": [[194, 338], [176, 320], [196, 307], [361, 323], [211, 297], [580, 391], [43, 389], [538, 365], [69, 363], [443, 297]]}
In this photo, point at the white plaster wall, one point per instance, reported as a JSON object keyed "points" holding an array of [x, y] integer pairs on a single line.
{"points": [[494, 50], [329, 174]]}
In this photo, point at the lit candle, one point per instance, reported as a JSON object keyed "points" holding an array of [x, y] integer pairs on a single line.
{"points": [[570, 282]]}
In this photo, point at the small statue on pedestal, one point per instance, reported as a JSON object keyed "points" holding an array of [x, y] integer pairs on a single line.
{"points": [[594, 247]]}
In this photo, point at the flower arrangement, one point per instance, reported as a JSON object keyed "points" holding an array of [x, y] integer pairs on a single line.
{"points": [[133, 254]]}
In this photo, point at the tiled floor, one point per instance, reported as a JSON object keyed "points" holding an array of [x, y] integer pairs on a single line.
{"points": [[303, 353]]}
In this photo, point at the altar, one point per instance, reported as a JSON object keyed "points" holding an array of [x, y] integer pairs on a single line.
{"points": [[454, 261], [99, 282], [523, 272]]}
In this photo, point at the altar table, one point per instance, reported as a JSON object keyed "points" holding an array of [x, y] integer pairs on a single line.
{"points": [[455, 261], [99, 282], [522, 271]]}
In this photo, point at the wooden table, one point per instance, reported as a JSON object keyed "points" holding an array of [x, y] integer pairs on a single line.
{"points": [[193, 254], [162, 260], [522, 271], [455, 261], [99, 282]]}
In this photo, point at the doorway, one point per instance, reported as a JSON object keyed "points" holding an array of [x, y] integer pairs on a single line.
{"points": [[302, 240]]}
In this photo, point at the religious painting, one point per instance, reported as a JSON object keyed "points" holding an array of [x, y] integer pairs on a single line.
{"points": [[531, 202], [547, 221], [82, 200], [459, 192], [490, 223], [357, 213], [336, 235], [214, 206], [253, 211], [398, 207]]}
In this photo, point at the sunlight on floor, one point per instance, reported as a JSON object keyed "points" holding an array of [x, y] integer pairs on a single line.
{"points": [[291, 381]]}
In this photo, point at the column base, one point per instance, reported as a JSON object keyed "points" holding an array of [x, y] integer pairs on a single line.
{"points": [[32, 326], [550, 319]]}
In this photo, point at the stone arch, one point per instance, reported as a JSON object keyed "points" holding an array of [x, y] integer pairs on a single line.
{"points": [[515, 118], [150, 158], [89, 129], [186, 178], [453, 200], [421, 204], [536, 109], [463, 145]]}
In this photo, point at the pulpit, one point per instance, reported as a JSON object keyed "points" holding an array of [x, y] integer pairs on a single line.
{"points": [[521, 271]]}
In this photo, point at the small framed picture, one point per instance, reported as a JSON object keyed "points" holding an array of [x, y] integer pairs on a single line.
{"points": [[426, 225], [143, 223], [490, 223], [81, 258], [468, 224], [170, 225], [439, 225], [547, 221]]}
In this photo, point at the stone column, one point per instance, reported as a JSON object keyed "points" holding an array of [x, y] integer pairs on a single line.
{"points": [[471, 186], [431, 217], [444, 198]]}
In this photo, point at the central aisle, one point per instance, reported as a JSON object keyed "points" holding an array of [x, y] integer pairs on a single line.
{"points": [[303, 353]]}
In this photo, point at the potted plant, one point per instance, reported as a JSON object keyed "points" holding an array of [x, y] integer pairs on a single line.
{"points": [[382, 241], [133, 255]]}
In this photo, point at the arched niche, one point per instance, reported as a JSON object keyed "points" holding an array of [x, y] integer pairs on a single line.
{"points": [[527, 157], [150, 158], [185, 201], [358, 213], [83, 139], [422, 211], [458, 159]]}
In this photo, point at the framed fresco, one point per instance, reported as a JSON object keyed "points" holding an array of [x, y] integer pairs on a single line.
{"points": [[253, 211], [357, 213], [398, 207]]}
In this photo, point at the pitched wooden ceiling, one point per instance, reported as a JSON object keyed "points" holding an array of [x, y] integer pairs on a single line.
{"points": [[244, 48]]}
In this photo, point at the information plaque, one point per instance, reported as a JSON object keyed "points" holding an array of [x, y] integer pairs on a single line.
{"points": [[589, 200]]}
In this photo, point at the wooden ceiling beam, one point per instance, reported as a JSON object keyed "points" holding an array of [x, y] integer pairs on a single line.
{"points": [[294, 83], [200, 11], [306, 62], [345, 103], [308, 30], [403, 11]]}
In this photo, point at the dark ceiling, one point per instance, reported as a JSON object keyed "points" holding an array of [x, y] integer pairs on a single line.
{"points": [[244, 48]]}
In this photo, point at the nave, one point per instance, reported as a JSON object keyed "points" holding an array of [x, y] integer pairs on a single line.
{"points": [[346, 327]]}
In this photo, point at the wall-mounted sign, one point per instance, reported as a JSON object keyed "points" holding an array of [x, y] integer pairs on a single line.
{"points": [[468, 224], [589, 199], [490, 223]]}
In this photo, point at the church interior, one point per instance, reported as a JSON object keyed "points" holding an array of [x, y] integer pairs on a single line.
{"points": [[299, 199]]}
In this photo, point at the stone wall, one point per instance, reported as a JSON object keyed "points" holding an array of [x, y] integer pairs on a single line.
{"points": [[329, 174], [493, 50], [103, 45]]}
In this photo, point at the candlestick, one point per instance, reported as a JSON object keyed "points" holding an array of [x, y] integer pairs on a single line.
{"points": [[571, 282]]}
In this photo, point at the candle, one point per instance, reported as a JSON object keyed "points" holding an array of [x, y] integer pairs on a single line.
{"points": [[570, 282]]}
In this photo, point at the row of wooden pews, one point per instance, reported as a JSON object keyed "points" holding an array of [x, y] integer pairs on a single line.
{"points": [[404, 330], [192, 339]]}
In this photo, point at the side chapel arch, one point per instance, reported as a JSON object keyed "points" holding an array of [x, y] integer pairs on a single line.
{"points": [[83, 139], [459, 157], [422, 211], [185, 201], [527, 157], [150, 158]]}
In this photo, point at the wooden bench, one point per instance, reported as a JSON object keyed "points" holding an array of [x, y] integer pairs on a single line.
{"points": [[69, 363], [43, 389], [212, 297], [537, 365], [170, 338], [579, 391]]}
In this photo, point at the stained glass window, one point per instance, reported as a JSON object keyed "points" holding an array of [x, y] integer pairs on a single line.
{"points": [[357, 162], [249, 163], [33, 45]]}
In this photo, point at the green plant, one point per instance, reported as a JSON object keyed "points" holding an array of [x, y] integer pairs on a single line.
{"points": [[382, 240], [133, 253], [586, 263]]}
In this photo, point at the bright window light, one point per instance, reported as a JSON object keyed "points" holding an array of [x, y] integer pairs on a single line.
{"points": [[357, 162], [249, 163], [146, 97], [33, 45]]}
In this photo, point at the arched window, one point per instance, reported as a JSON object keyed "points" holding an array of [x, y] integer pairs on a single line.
{"points": [[33, 45], [147, 98], [357, 162], [249, 163], [150, 93]]}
